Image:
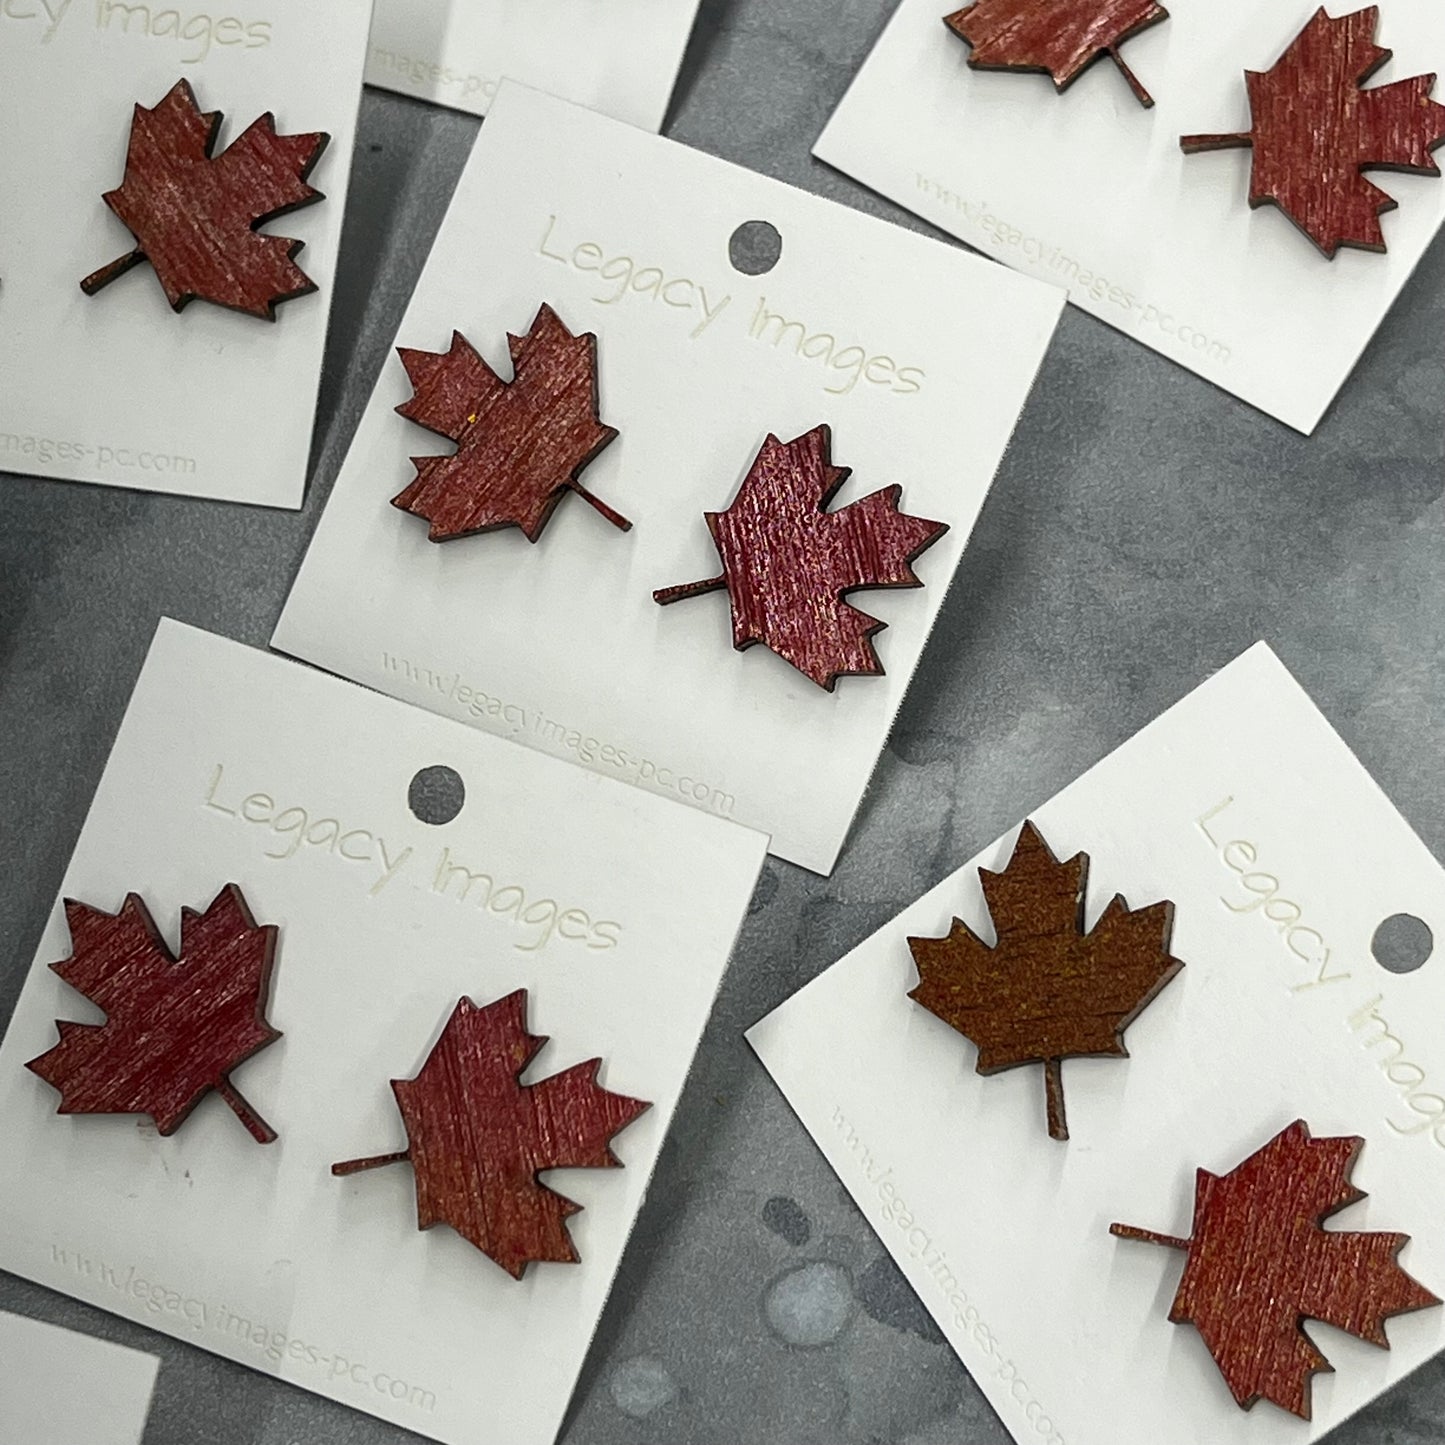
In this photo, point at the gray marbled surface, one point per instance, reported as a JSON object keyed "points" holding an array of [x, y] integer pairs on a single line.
{"points": [[1144, 529]]}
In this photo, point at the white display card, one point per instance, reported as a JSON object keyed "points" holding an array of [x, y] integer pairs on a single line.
{"points": [[1282, 857], [615, 910], [919, 356], [620, 58], [117, 388], [1091, 191], [61, 1388]]}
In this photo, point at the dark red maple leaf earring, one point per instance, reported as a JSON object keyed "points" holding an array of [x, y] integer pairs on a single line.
{"points": [[1060, 37], [479, 1137], [1046, 990], [788, 561], [520, 444], [1316, 130], [1261, 1263], [175, 1026], [195, 216]]}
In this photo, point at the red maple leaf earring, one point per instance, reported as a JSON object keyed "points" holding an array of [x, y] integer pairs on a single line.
{"points": [[788, 562], [195, 216], [1260, 1263], [520, 444], [1060, 37], [1316, 130], [175, 1026], [478, 1137]]}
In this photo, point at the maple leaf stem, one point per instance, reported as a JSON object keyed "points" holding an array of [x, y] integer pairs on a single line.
{"points": [[688, 589], [1145, 99], [1054, 1089], [377, 1161], [616, 518], [117, 268], [1193, 144], [261, 1131], [1148, 1236]]}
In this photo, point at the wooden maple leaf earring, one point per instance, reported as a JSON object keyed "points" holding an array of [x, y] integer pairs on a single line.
{"points": [[1316, 130], [1047, 991], [520, 444], [1260, 1264], [1060, 37], [175, 1026], [194, 215], [788, 561], [479, 1137]]}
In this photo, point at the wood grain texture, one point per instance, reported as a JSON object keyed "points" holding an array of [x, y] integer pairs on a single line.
{"points": [[788, 562], [521, 445], [1059, 37], [195, 216], [1047, 991], [175, 1026], [479, 1137], [1260, 1263], [1316, 131]]}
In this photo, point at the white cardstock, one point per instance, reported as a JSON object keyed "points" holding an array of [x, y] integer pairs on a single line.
{"points": [[919, 356], [1091, 191], [117, 388], [615, 910], [61, 1388], [1282, 857], [620, 57]]}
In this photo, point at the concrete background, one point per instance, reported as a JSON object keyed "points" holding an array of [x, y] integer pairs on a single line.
{"points": [[1145, 528]]}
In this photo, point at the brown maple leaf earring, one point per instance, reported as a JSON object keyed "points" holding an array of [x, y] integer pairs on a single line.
{"points": [[479, 1137], [788, 561], [175, 1025], [195, 215], [520, 444], [1047, 991], [1060, 37], [1316, 130], [1260, 1264]]}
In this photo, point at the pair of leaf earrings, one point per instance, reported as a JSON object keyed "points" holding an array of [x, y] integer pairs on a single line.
{"points": [[1315, 128], [787, 560], [1259, 1262], [177, 1025]]}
